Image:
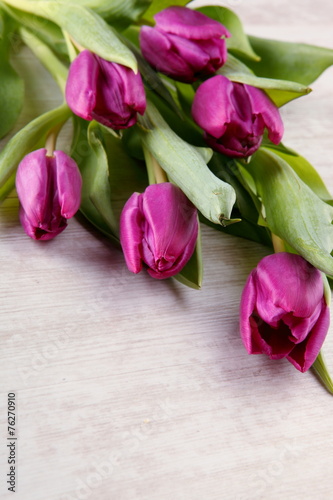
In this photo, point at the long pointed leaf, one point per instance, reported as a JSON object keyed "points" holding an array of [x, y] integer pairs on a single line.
{"points": [[85, 27], [292, 210], [30, 137], [11, 85], [297, 62], [118, 13]]}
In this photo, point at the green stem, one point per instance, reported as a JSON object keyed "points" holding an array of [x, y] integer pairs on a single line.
{"points": [[46, 57], [144, 22], [51, 139], [327, 290], [321, 371], [156, 174], [278, 244], [70, 46]]}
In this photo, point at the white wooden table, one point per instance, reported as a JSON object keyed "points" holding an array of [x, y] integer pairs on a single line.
{"points": [[130, 388]]}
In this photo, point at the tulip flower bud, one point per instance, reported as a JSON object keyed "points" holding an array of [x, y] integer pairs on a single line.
{"points": [[107, 92], [283, 311], [234, 116], [158, 229], [49, 190], [184, 44]]}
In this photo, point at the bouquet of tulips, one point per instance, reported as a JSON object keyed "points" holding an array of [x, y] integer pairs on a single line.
{"points": [[176, 120]]}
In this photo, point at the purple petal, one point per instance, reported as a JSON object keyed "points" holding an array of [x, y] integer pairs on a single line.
{"points": [[166, 270], [189, 24], [170, 221], [213, 114], [233, 146], [305, 354], [120, 95], [69, 183], [33, 183], [216, 49], [131, 234], [110, 108], [288, 282], [38, 233], [300, 327], [158, 51], [134, 95], [81, 86], [189, 51], [248, 330], [159, 228], [274, 342], [263, 106]]}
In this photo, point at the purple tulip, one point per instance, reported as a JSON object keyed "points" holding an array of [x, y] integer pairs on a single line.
{"points": [[49, 190], [184, 44], [158, 229], [104, 91], [283, 311], [234, 116]]}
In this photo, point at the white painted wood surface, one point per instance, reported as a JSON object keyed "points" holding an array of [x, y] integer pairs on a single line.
{"points": [[134, 389]]}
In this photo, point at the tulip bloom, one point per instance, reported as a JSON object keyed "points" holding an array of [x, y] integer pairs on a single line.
{"points": [[104, 91], [158, 229], [283, 311], [234, 116], [184, 44], [49, 190]]}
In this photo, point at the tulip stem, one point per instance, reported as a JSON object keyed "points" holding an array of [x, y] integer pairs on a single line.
{"points": [[160, 175], [70, 46], [145, 22], [156, 174], [278, 244], [79, 47], [320, 369], [51, 139]]}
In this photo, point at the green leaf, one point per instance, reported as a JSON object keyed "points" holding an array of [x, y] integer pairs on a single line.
{"points": [[238, 43], [87, 28], [109, 175], [297, 62], [183, 126], [192, 273], [29, 138], [85, 157], [47, 57], [246, 207], [11, 97], [304, 170], [280, 91], [292, 210], [47, 31], [186, 95], [158, 5], [127, 174], [99, 190], [131, 140], [118, 13], [185, 167], [11, 85]]}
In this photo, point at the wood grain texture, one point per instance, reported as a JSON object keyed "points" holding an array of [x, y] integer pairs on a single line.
{"points": [[134, 389]]}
